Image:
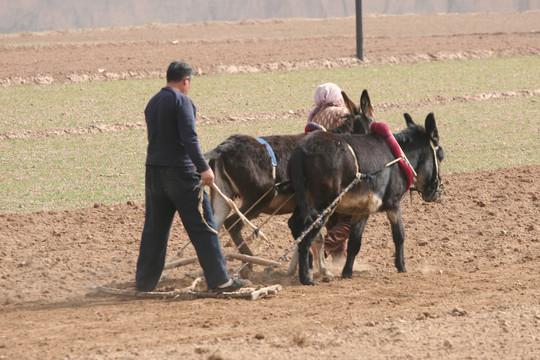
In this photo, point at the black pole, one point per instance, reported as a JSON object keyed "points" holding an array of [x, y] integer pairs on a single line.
{"points": [[359, 35]]}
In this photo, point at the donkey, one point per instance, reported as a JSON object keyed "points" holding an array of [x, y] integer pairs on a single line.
{"points": [[243, 169], [324, 164]]}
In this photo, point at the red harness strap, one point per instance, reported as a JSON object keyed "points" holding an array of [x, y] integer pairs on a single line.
{"points": [[381, 129]]}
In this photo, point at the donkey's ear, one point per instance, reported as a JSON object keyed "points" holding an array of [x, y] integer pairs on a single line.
{"points": [[365, 105], [408, 119], [349, 104], [431, 127]]}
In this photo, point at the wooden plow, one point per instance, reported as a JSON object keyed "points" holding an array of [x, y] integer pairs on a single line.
{"points": [[188, 293]]}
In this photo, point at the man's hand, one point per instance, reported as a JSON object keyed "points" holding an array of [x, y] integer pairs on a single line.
{"points": [[207, 177]]}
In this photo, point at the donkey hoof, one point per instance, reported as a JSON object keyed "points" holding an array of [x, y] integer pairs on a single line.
{"points": [[346, 274], [308, 282], [327, 273]]}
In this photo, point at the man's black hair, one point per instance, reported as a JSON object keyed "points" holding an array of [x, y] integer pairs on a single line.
{"points": [[178, 70]]}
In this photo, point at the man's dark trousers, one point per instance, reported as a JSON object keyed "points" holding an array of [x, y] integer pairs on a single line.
{"points": [[171, 189]]}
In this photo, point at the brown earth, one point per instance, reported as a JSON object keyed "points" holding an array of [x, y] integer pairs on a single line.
{"points": [[261, 45], [473, 287]]}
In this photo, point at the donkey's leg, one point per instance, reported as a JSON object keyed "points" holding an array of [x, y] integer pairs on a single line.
{"points": [[293, 265], [234, 225], [318, 249], [250, 212], [220, 209], [297, 225], [305, 257], [398, 235], [353, 245]]}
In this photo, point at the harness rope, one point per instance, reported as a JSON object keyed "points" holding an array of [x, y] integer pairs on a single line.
{"points": [[237, 211], [265, 222], [201, 210], [255, 203], [435, 148]]}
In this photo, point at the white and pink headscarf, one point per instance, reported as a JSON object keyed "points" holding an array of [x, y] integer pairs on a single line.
{"points": [[325, 95]]}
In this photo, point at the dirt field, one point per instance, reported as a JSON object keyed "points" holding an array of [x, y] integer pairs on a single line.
{"points": [[473, 287]]}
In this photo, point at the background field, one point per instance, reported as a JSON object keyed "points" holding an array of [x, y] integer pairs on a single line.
{"points": [[72, 146], [50, 127]]}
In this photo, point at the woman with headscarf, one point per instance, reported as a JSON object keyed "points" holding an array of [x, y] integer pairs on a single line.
{"points": [[329, 109], [329, 112]]}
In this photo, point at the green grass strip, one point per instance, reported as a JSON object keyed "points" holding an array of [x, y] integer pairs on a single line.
{"points": [[76, 171], [41, 107]]}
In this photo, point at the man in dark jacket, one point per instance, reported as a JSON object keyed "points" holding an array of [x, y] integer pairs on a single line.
{"points": [[175, 170]]}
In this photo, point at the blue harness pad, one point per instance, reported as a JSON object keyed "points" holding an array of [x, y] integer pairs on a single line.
{"points": [[270, 151]]}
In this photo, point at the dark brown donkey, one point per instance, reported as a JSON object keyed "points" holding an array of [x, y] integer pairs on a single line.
{"points": [[243, 170], [323, 165]]}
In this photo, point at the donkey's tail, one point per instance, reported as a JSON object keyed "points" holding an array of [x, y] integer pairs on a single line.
{"points": [[215, 160], [221, 178], [220, 206], [304, 214], [218, 159]]}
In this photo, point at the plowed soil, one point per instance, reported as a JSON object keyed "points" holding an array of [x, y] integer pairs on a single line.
{"points": [[473, 287]]}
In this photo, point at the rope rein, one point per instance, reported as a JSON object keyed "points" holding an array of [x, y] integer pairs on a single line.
{"points": [[201, 210], [233, 206], [255, 203]]}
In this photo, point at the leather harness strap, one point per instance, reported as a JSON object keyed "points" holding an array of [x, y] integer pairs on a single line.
{"points": [[272, 155]]}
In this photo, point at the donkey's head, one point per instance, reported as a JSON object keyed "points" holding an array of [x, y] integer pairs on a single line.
{"points": [[360, 118], [428, 180]]}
